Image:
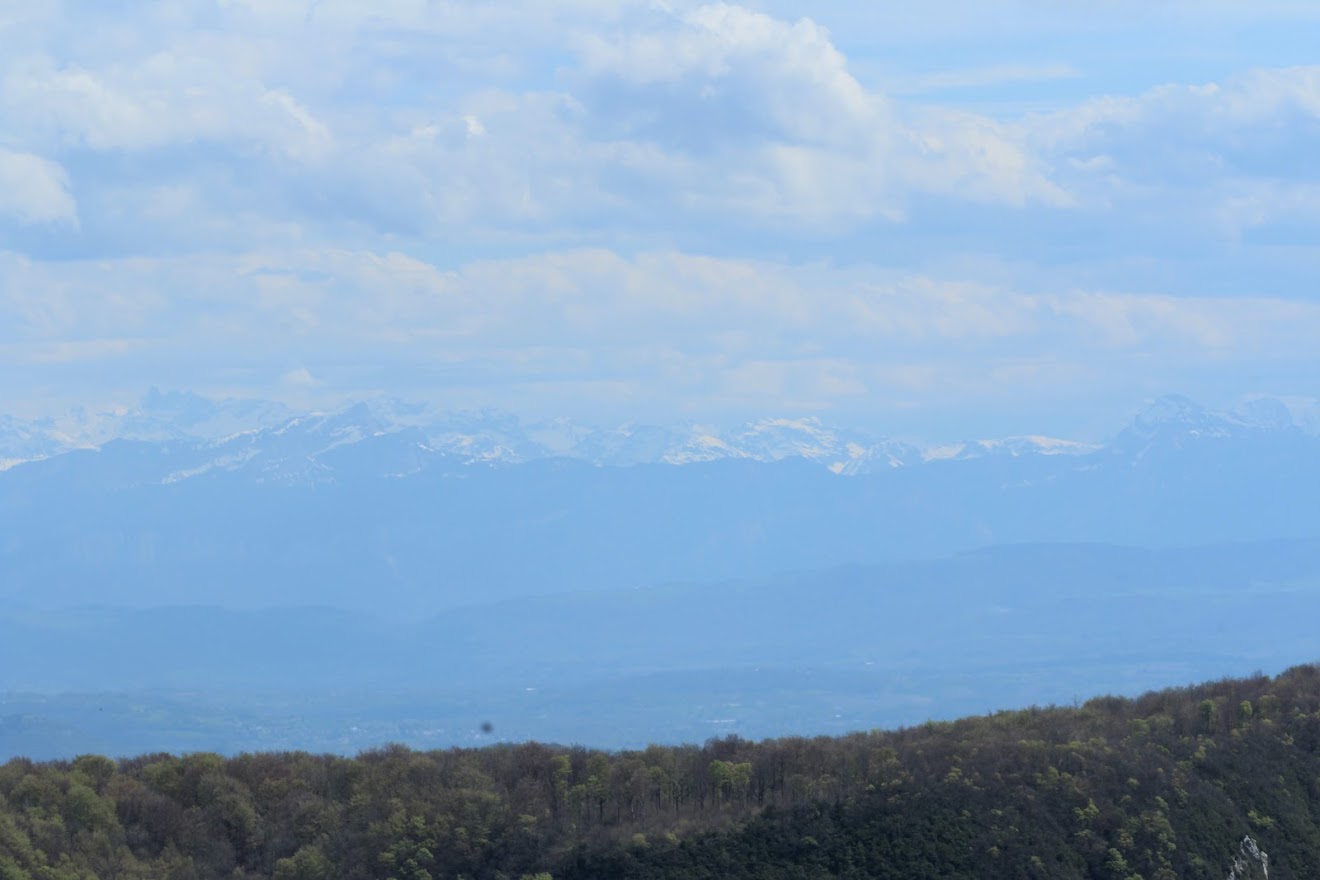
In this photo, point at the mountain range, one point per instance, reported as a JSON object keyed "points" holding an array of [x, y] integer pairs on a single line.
{"points": [[357, 509], [203, 434], [205, 552]]}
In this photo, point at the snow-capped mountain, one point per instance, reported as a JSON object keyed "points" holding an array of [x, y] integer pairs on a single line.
{"points": [[312, 449], [418, 508], [22, 441], [764, 440], [158, 417], [1174, 425], [1013, 447], [389, 437]]}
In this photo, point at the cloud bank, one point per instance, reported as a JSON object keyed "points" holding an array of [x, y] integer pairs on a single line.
{"points": [[693, 208]]}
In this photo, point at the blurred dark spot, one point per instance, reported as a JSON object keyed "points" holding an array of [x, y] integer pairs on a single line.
{"points": [[487, 727]]}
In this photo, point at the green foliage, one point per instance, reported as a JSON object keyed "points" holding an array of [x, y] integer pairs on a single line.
{"points": [[1164, 786], [308, 863]]}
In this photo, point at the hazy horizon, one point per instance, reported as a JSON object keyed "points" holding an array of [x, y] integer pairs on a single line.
{"points": [[957, 222], [84, 424], [659, 439]]}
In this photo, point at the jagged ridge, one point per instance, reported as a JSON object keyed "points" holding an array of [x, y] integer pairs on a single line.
{"points": [[280, 446]]}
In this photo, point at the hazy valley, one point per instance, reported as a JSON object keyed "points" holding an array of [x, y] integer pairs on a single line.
{"points": [[337, 580]]}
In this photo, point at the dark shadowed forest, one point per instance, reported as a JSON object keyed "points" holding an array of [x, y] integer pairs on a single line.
{"points": [[1164, 786]]}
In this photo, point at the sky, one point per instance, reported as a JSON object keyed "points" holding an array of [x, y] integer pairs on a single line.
{"points": [[936, 219]]}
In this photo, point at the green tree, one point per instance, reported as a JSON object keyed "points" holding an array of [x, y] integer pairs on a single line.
{"points": [[308, 863]]}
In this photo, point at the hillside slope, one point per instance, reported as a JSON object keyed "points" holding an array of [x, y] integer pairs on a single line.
{"points": [[1178, 783]]}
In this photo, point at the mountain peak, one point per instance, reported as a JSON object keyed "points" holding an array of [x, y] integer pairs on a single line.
{"points": [[1266, 412], [1176, 414], [230, 432], [1170, 409]]}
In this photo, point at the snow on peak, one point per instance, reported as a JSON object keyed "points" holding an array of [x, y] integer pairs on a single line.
{"points": [[392, 436], [1029, 444], [943, 452]]}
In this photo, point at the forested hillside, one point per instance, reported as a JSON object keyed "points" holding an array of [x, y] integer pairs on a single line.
{"points": [[1167, 785]]}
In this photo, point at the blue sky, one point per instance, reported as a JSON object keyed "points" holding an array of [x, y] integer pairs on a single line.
{"points": [[948, 220]]}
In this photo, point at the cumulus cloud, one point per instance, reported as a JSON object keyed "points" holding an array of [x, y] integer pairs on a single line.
{"points": [[336, 120], [162, 100], [693, 202], [1211, 138], [707, 111], [792, 131], [778, 79], [1254, 109]]}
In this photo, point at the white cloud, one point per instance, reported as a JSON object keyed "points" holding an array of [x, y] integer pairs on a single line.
{"points": [[796, 81], [658, 120], [35, 190], [784, 128], [678, 331], [250, 175], [162, 100], [300, 377], [713, 111], [1177, 131]]}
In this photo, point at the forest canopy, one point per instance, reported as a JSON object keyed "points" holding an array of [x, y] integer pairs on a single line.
{"points": [[1166, 785]]}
